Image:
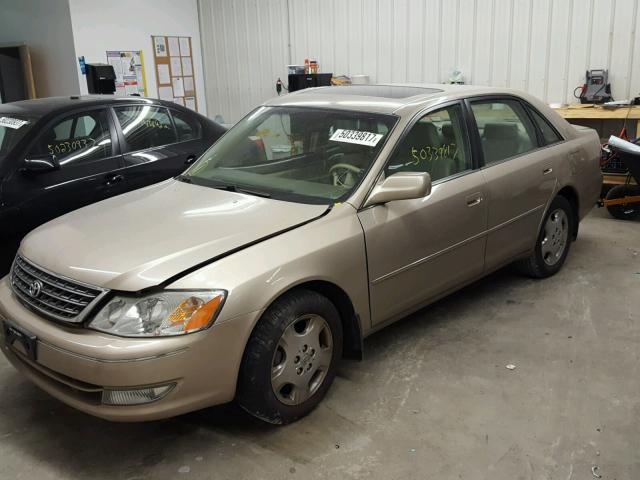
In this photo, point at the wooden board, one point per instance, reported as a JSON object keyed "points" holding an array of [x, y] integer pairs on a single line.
{"points": [[599, 113], [596, 112]]}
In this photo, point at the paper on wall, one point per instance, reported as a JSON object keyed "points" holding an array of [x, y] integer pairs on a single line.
{"points": [[190, 102], [174, 47], [165, 93], [130, 86], [160, 46], [187, 67], [164, 77], [179, 101], [185, 50], [178, 87], [116, 63], [176, 67], [188, 84], [128, 68]]}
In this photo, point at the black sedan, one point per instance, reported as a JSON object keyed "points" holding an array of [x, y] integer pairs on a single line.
{"points": [[59, 154]]}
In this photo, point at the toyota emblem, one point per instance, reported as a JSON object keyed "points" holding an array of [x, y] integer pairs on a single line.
{"points": [[35, 288]]}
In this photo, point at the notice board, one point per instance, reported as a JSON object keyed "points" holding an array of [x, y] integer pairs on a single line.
{"points": [[129, 68], [174, 70]]}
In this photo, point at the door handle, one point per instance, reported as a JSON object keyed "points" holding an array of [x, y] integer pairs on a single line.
{"points": [[473, 200], [112, 179], [190, 159], [547, 171]]}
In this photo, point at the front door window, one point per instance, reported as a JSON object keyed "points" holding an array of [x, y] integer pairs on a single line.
{"points": [[436, 144], [77, 139]]}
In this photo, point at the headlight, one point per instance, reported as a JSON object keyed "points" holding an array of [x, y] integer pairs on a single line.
{"points": [[159, 314]]}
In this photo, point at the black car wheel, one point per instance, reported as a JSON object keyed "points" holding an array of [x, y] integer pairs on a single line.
{"points": [[291, 357]]}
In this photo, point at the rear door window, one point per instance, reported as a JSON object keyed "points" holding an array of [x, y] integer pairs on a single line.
{"points": [[505, 129], [79, 138], [145, 126]]}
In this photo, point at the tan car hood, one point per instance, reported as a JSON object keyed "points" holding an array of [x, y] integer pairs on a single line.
{"points": [[142, 238]]}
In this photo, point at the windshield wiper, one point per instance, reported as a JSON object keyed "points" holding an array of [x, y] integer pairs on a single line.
{"points": [[235, 188], [229, 187]]}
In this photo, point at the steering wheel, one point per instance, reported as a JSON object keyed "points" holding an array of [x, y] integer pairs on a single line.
{"points": [[344, 174]]}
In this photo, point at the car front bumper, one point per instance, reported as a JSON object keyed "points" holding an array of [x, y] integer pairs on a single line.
{"points": [[76, 365]]}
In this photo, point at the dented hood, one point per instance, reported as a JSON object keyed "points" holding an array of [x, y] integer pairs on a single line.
{"points": [[142, 238]]}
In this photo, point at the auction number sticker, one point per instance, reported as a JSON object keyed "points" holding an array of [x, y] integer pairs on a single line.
{"points": [[355, 136], [12, 122]]}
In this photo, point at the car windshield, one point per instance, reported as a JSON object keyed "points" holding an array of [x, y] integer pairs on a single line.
{"points": [[306, 155], [12, 129]]}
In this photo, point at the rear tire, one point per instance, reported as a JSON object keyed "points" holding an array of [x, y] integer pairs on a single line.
{"points": [[290, 359], [623, 212], [553, 242]]}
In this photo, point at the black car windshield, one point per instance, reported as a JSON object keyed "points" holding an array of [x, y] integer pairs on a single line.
{"points": [[307, 155], [12, 129]]}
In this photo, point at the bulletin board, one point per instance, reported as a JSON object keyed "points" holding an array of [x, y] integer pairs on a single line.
{"points": [[174, 70], [129, 68]]}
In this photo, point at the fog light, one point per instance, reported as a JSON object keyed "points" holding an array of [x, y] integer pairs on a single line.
{"points": [[135, 397]]}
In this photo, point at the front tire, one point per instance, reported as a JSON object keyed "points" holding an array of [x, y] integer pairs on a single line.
{"points": [[291, 357], [553, 242]]}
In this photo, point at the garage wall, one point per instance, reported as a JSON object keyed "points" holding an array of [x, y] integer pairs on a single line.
{"points": [[44, 26], [244, 44], [99, 26], [541, 46]]}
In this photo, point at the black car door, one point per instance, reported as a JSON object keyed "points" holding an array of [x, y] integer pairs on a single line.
{"points": [[83, 147], [156, 144]]}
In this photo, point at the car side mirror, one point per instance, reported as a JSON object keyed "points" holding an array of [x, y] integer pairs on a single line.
{"points": [[40, 164], [400, 186]]}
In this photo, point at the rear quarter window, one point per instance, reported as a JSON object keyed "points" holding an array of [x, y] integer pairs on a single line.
{"points": [[549, 134]]}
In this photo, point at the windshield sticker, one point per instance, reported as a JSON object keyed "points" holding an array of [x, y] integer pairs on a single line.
{"points": [[12, 122], [355, 136]]}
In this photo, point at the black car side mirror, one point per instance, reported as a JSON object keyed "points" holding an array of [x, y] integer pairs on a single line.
{"points": [[42, 164]]}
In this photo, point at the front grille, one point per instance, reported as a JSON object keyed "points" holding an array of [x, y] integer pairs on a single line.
{"points": [[57, 297]]}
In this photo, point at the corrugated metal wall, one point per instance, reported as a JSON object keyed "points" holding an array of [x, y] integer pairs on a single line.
{"points": [[541, 46]]}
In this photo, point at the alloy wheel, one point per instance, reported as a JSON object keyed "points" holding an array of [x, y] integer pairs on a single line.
{"points": [[556, 235], [301, 359]]}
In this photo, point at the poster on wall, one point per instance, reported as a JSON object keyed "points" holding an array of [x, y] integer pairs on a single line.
{"points": [[174, 69], [129, 68], [160, 46]]}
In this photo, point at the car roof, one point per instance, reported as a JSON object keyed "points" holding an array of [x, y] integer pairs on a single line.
{"points": [[382, 98], [43, 106]]}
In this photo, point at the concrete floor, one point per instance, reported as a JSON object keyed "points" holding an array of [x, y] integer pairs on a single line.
{"points": [[433, 398]]}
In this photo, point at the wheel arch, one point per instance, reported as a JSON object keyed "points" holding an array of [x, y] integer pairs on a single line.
{"points": [[571, 195], [352, 331]]}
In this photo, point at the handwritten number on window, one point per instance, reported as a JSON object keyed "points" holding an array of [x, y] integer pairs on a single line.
{"points": [[69, 146], [431, 154]]}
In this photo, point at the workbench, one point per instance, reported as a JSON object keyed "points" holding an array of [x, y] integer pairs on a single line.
{"points": [[607, 121]]}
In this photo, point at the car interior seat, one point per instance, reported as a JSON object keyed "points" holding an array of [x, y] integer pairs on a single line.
{"points": [[421, 136], [447, 134], [500, 141]]}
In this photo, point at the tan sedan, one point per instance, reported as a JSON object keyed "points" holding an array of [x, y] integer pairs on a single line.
{"points": [[318, 219]]}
